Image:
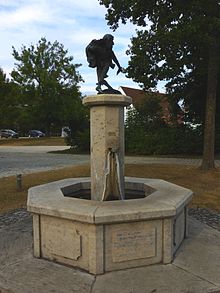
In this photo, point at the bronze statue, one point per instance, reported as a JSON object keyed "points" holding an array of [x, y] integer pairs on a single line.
{"points": [[100, 55]]}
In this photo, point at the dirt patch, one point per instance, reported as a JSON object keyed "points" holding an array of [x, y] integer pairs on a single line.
{"points": [[205, 185], [42, 141]]}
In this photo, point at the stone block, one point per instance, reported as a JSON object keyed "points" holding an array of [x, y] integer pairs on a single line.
{"points": [[133, 244]]}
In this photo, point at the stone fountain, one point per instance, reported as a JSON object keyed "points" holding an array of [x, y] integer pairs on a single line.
{"points": [[108, 222]]}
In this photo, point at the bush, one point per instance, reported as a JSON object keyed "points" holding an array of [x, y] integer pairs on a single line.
{"points": [[163, 141], [80, 142]]}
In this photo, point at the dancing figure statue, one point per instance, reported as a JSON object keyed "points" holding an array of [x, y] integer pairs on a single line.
{"points": [[100, 55]]}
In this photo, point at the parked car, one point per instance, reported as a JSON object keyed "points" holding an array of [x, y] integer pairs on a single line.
{"points": [[8, 133], [36, 133]]}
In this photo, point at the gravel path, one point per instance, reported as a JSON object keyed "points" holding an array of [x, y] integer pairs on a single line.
{"points": [[22, 160], [23, 163], [14, 216], [12, 163], [206, 216]]}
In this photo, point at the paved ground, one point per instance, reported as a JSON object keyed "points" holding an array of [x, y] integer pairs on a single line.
{"points": [[196, 268], [16, 160], [22, 160]]}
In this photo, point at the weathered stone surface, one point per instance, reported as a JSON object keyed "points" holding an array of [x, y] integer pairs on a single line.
{"points": [[109, 99], [61, 238], [179, 229], [200, 252], [65, 241], [3, 290], [134, 244], [86, 233], [153, 279], [107, 145], [167, 240]]}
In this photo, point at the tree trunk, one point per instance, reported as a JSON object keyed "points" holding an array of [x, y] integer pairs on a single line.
{"points": [[208, 161]]}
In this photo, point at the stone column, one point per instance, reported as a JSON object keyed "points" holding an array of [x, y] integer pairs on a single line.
{"points": [[107, 145]]}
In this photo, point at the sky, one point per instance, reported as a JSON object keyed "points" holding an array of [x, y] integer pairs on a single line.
{"points": [[73, 23]]}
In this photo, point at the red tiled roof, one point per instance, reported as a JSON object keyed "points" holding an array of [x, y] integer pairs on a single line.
{"points": [[139, 96]]}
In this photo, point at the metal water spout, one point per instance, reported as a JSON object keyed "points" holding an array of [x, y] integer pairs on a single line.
{"points": [[107, 145]]}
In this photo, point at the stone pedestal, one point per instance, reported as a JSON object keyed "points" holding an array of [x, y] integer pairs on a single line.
{"points": [[107, 145]]}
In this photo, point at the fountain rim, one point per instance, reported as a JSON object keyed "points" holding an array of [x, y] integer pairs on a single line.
{"points": [[166, 201]]}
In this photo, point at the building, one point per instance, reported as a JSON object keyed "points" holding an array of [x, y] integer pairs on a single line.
{"points": [[140, 96]]}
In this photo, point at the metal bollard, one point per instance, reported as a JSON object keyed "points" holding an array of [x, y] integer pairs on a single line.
{"points": [[19, 182]]}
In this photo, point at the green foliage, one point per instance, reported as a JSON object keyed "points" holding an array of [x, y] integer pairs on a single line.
{"points": [[174, 45], [147, 115], [179, 43], [164, 141], [10, 99], [147, 134], [49, 83], [80, 142]]}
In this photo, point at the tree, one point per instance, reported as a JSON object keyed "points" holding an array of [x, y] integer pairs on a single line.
{"points": [[9, 101], [181, 43], [147, 118], [50, 84], [147, 115]]}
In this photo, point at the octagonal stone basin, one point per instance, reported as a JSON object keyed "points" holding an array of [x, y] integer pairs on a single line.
{"points": [[100, 237]]}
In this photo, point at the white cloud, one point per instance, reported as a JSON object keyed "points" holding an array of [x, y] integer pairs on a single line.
{"points": [[84, 8], [73, 23], [27, 14]]}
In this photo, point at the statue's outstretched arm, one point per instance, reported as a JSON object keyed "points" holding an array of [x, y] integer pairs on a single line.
{"points": [[114, 58]]}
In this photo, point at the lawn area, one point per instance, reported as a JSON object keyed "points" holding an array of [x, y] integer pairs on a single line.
{"points": [[206, 185]]}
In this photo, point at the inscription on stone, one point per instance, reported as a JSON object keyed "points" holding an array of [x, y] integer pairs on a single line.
{"points": [[131, 244]]}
